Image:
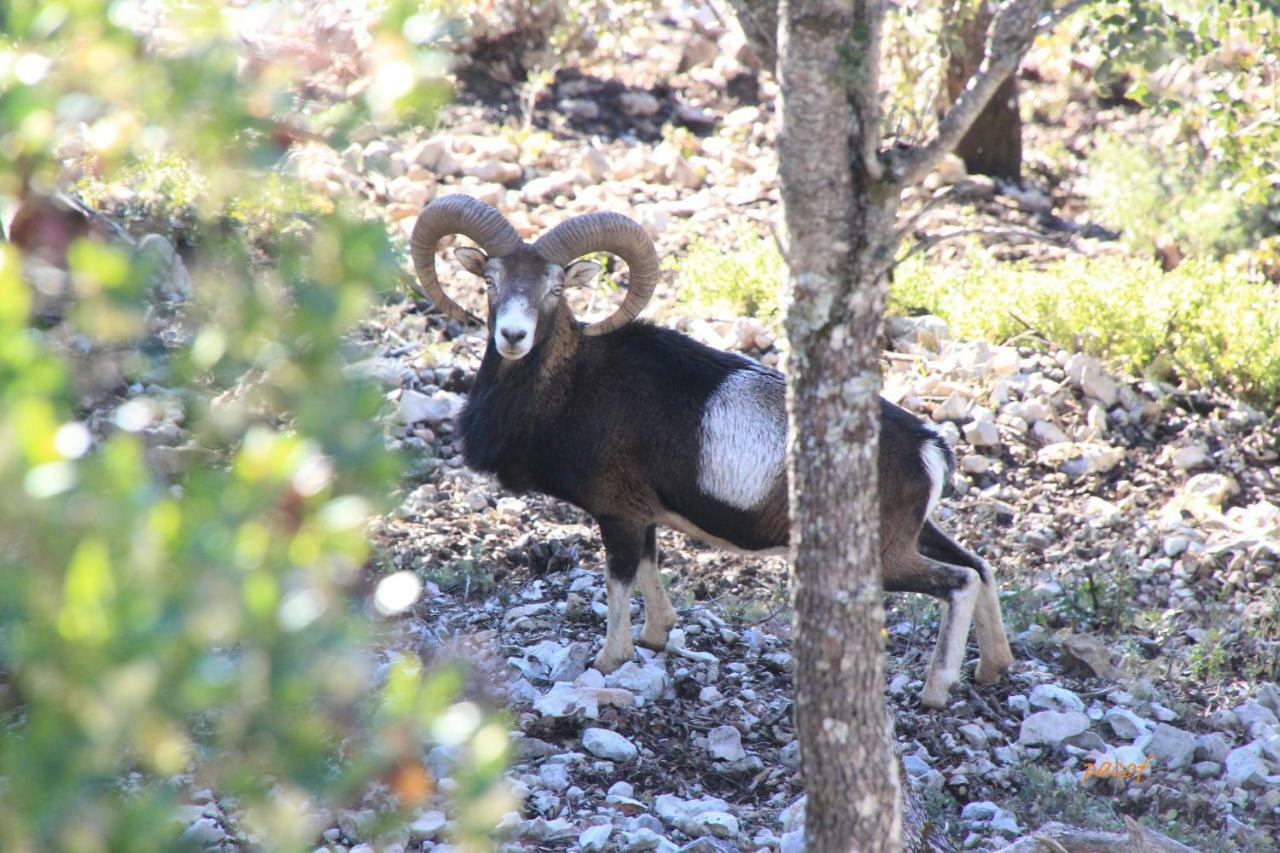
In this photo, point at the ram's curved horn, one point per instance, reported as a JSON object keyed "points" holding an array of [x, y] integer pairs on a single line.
{"points": [[607, 232], [456, 214]]}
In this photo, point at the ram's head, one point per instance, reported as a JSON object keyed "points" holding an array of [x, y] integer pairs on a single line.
{"points": [[526, 282]]}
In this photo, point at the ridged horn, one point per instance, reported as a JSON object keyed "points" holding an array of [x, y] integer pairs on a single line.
{"points": [[456, 214], [614, 233]]}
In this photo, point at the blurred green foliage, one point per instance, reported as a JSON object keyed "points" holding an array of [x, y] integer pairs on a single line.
{"points": [[1154, 193], [1207, 323], [164, 632], [1212, 69]]}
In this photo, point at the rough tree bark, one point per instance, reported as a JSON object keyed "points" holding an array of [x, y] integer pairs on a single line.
{"points": [[840, 194], [993, 145], [834, 227]]}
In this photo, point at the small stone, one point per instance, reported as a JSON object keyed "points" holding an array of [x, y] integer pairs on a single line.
{"points": [[1127, 724], [954, 408], [1206, 769], [1214, 746], [1254, 715], [554, 776], [594, 165], [982, 434], [203, 832], [357, 825], [566, 700], [719, 824], [643, 839], [792, 842], [915, 765], [983, 810], [1076, 459], [1051, 727], [1049, 433], [610, 745], [648, 679], [1050, 697], [1088, 656], [792, 817], [495, 171], [584, 109], [440, 406], [1171, 746], [688, 114], [974, 734], [595, 838], [1005, 361], [512, 508], [1268, 696], [428, 826], [1190, 457], [671, 808], [1096, 384], [927, 331], [548, 186], [1245, 767], [1176, 545], [725, 744], [637, 104], [1005, 824], [622, 789]]}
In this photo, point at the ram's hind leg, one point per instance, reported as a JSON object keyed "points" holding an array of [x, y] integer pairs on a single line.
{"points": [[624, 545], [906, 570], [659, 615], [994, 656]]}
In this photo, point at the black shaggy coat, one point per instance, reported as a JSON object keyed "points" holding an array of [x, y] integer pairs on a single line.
{"points": [[617, 431]]}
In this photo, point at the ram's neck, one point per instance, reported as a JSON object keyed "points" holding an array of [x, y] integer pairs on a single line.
{"points": [[509, 399]]}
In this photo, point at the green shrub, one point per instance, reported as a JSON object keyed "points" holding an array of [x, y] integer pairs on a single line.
{"points": [[741, 279], [1206, 323], [1150, 192], [162, 632]]}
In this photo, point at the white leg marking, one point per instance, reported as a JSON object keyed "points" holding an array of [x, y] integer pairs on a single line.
{"points": [[659, 615], [618, 647], [944, 669], [994, 655], [743, 438]]}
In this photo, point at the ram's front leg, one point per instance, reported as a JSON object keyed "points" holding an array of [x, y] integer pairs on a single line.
{"points": [[624, 547], [659, 615]]}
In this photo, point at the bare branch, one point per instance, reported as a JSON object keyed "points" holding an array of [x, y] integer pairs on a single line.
{"points": [[1013, 29], [871, 134]]}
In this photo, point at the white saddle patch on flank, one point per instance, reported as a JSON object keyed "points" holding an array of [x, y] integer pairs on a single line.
{"points": [[743, 439], [935, 465]]}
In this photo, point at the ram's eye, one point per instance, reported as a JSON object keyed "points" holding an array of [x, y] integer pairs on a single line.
{"points": [[488, 282], [557, 290]]}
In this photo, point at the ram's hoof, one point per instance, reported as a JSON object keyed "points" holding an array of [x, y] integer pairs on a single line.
{"points": [[607, 661]]}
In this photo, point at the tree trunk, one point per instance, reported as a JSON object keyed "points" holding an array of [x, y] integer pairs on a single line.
{"points": [[993, 144], [759, 22], [835, 231]]}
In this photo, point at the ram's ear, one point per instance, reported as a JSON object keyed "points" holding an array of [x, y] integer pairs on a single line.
{"points": [[472, 259], [581, 273]]}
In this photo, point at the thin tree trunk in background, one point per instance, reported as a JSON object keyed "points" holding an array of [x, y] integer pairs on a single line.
{"points": [[759, 22], [993, 144], [834, 230]]}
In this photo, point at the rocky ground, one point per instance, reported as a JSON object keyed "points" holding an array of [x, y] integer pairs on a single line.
{"points": [[1135, 528]]}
